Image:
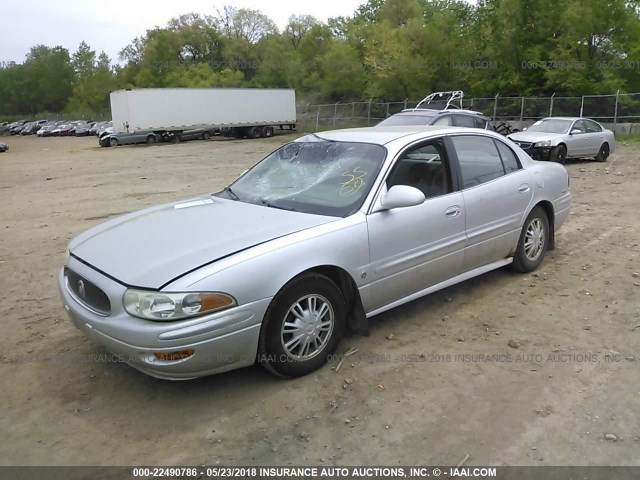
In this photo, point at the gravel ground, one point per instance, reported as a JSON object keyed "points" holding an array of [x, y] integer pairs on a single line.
{"points": [[537, 369]]}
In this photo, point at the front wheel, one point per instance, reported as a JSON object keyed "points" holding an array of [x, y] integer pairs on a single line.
{"points": [[113, 142], [603, 153], [302, 326], [558, 154], [533, 242]]}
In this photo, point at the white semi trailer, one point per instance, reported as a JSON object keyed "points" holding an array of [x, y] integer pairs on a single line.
{"points": [[239, 112]]}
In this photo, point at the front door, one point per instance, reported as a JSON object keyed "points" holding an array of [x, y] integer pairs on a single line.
{"points": [[413, 248]]}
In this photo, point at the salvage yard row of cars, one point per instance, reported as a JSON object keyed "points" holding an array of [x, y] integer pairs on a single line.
{"points": [[59, 128]]}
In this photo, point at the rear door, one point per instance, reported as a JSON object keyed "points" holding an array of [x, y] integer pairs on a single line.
{"points": [[416, 247], [496, 192], [595, 137]]}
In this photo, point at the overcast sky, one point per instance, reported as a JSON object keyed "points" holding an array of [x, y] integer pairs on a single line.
{"points": [[110, 25]]}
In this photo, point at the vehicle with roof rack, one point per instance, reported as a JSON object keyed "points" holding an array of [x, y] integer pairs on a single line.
{"points": [[441, 109]]}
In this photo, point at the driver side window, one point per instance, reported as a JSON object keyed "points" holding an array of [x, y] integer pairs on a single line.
{"points": [[579, 125], [425, 168]]}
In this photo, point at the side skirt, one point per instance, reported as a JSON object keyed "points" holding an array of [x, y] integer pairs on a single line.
{"points": [[447, 283]]}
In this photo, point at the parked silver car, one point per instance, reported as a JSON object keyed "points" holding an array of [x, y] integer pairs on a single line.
{"points": [[325, 232], [128, 138], [559, 138]]}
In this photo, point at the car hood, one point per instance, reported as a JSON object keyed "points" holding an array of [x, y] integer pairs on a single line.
{"points": [[151, 247], [534, 136]]}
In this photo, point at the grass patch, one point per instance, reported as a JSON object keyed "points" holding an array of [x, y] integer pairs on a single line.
{"points": [[628, 137]]}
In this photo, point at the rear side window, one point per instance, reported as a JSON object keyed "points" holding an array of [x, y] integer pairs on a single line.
{"points": [[480, 122], [464, 121], [480, 161], [509, 159]]}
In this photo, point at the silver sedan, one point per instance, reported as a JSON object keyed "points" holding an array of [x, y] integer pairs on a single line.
{"points": [[559, 138], [324, 233]]}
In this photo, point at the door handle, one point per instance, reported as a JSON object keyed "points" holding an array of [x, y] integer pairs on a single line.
{"points": [[524, 188], [453, 211]]}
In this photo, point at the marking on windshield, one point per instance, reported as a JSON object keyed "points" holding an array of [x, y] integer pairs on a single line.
{"points": [[355, 182]]}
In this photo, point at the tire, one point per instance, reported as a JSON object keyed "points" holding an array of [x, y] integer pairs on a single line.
{"points": [[238, 133], [175, 138], [113, 142], [151, 139], [533, 242], [558, 154], [317, 337], [603, 153], [267, 132], [205, 136], [254, 132]]}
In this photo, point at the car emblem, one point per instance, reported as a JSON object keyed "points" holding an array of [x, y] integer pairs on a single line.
{"points": [[81, 290]]}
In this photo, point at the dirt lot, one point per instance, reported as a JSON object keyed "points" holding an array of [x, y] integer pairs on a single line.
{"points": [[564, 341]]}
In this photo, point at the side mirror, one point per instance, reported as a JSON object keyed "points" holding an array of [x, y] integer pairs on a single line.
{"points": [[575, 131], [400, 196]]}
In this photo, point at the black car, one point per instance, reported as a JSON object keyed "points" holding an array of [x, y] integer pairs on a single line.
{"points": [[4, 147], [16, 127], [84, 129], [433, 110]]}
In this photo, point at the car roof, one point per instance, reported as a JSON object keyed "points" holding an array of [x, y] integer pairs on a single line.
{"points": [[385, 135], [564, 118], [431, 111]]}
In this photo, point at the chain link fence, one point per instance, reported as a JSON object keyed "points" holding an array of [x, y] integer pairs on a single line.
{"points": [[618, 108]]}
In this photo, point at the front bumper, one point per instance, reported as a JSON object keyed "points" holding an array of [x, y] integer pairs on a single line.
{"points": [[221, 341], [539, 153]]}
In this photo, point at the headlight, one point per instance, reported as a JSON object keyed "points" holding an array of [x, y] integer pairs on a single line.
{"points": [[174, 306], [544, 143]]}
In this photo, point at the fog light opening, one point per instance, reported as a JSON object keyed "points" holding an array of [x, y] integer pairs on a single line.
{"points": [[173, 356]]}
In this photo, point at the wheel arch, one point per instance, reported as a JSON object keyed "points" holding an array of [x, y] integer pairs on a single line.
{"points": [[547, 206], [356, 316]]}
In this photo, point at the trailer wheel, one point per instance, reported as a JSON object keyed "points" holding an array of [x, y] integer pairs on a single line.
{"points": [[267, 132], [254, 132]]}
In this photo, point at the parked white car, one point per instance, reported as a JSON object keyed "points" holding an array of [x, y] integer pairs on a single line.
{"points": [[559, 138]]}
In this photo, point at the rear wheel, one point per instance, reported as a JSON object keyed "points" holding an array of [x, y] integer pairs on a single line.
{"points": [[533, 242], [151, 139], [254, 132], [558, 154], [267, 132], [603, 153], [302, 326]]}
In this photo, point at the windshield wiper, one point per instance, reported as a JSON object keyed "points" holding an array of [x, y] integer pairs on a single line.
{"points": [[267, 203], [231, 193]]}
